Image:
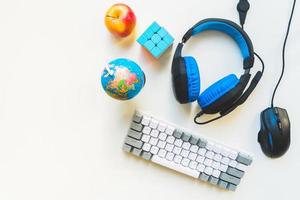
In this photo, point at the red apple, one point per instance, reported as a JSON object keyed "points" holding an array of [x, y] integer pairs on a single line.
{"points": [[120, 20]]}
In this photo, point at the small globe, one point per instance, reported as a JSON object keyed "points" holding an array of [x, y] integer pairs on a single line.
{"points": [[122, 79]]}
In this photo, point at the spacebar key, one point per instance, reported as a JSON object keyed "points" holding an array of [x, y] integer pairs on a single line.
{"points": [[172, 165]]}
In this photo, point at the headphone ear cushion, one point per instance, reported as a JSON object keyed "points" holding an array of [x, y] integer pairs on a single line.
{"points": [[217, 90], [193, 78]]}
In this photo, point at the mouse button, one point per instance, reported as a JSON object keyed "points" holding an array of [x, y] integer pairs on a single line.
{"points": [[271, 121], [284, 120]]}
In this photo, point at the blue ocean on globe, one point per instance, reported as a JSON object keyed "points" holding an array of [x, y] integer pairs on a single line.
{"points": [[122, 79]]}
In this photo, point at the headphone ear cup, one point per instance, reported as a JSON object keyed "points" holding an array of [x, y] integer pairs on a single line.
{"points": [[193, 78], [179, 80], [220, 94]]}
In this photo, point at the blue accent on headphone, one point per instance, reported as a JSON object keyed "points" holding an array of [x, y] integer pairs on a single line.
{"points": [[193, 77], [227, 29], [217, 90]]}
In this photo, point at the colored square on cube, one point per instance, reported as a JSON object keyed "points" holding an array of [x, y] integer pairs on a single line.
{"points": [[156, 40]]}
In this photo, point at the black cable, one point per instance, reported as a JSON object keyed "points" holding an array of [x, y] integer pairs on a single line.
{"points": [[205, 122], [261, 61], [283, 53]]}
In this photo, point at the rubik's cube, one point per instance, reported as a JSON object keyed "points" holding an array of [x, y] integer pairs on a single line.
{"points": [[156, 40]]}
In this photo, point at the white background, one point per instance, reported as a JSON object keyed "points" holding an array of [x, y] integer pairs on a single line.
{"points": [[61, 135]]}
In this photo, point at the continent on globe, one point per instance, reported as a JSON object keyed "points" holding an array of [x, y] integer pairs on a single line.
{"points": [[122, 79]]}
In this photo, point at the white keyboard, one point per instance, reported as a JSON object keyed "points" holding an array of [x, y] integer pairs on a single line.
{"points": [[175, 148]]}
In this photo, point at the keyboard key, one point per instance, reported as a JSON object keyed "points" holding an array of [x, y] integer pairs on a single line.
{"points": [[162, 127], [162, 153], [217, 149], [186, 145], [223, 168], [210, 146], [137, 117], [153, 141], [202, 143], [177, 150], [192, 156], [170, 156], [230, 179], [154, 133], [133, 142], [241, 167], [222, 184], [177, 134], [215, 165], [184, 153], [153, 123], [200, 159], [146, 147], [146, 138], [161, 144], [202, 151], [225, 160], [200, 167], [216, 173], [185, 137], [213, 180], [193, 165], [185, 162], [146, 130], [146, 155], [218, 157], [207, 162], [169, 147], [127, 148], [231, 187], [136, 126], [244, 159], [233, 154], [154, 150], [162, 136], [146, 120], [193, 140], [170, 130], [177, 159], [170, 139], [208, 170], [194, 148], [225, 152], [232, 163], [174, 166], [235, 172], [137, 152], [134, 134], [209, 154], [178, 142], [204, 177]]}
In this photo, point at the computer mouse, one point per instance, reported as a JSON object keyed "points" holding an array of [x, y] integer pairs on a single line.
{"points": [[274, 135]]}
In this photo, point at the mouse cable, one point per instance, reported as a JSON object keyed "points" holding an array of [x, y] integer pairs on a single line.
{"points": [[283, 53]]}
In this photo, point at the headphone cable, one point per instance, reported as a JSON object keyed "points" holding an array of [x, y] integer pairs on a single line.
{"points": [[283, 53]]}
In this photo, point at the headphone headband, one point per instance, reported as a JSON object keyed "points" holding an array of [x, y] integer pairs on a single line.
{"points": [[229, 28]]}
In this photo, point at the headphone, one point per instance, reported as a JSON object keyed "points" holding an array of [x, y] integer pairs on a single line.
{"points": [[224, 95]]}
